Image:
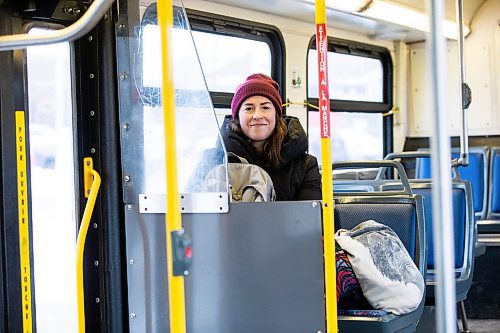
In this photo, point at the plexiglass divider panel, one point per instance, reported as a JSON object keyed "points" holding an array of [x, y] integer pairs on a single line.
{"points": [[199, 148]]}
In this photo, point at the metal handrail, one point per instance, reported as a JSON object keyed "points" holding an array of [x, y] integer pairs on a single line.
{"points": [[93, 177], [417, 154], [463, 160], [377, 164], [76, 30], [446, 319]]}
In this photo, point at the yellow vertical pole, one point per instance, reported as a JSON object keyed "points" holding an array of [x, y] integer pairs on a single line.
{"points": [[177, 310], [326, 170]]}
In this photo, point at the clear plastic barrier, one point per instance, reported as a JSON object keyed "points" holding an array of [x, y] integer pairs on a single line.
{"points": [[199, 148]]}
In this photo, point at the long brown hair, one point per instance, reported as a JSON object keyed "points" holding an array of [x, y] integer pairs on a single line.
{"points": [[272, 146]]}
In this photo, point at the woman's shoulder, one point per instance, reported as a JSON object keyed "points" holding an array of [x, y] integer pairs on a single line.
{"points": [[306, 161]]}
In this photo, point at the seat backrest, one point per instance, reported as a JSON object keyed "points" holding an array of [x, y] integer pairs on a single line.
{"points": [[403, 214], [476, 172], [360, 200], [494, 185], [463, 222]]}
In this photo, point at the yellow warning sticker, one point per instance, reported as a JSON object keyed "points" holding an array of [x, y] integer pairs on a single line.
{"points": [[24, 243]]}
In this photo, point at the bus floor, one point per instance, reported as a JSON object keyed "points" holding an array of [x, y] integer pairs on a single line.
{"points": [[482, 305], [482, 325]]}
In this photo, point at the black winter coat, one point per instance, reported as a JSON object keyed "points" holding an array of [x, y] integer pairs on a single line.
{"points": [[297, 176]]}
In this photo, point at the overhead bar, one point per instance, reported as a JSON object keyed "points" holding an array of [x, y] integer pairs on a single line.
{"points": [[76, 30]]}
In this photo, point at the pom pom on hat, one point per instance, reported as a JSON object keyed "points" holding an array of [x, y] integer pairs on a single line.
{"points": [[256, 85]]}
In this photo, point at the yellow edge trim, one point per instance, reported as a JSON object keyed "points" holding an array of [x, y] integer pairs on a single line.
{"points": [[173, 220], [82, 235], [24, 234]]}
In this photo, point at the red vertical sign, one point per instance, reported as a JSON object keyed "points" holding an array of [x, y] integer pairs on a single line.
{"points": [[324, 99]]}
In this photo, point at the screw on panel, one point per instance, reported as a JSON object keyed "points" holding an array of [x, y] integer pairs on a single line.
{"points": [[92, 150], [315, 204], [95, 225], [131, 261], [88, 163], [105, 16], [91, 76], [123, 76], [129, 207], [92, 113], [126, 126], [96, 263], [132, 315], [97, 300], [186, 273], [90, 38], [121, 26], [127, 178]]}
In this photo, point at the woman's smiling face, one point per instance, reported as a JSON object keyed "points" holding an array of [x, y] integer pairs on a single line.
{"points": [[257, 116]]}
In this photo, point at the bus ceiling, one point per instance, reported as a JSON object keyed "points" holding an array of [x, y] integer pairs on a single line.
{"points": [[365, 16]]}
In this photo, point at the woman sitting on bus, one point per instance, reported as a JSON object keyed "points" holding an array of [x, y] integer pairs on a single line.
{"points": [[258, 131]]}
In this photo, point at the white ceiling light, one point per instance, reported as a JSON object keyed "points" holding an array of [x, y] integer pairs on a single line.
{"points": [[347, 5], [392, 13], [343, 5], [404, 16]]}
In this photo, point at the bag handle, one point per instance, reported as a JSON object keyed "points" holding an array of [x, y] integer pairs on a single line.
{"points": [[240, 159]]}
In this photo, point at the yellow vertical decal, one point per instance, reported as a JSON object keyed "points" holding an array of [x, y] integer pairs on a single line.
{"points": [[24, 239]]}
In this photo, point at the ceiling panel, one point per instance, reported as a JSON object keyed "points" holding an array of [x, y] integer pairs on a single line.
{"points": [[304, 11]]}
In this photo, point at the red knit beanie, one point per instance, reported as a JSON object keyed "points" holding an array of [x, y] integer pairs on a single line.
{"points": [[257, 84]]}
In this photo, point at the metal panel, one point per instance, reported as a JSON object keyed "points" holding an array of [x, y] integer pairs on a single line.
{"points": [[146, 271], [190, 203], [258, 268]]}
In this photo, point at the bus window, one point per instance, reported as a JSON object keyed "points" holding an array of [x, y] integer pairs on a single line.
{"points": [[52, 186], [230, 50], [352, 78], [360, 89], [227, 60], [355, 135]]}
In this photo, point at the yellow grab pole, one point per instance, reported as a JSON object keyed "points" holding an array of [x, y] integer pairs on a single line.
{"points": [[92, 182], [177, 310], [326, 167]]}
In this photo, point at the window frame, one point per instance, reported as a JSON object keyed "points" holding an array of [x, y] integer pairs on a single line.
{"points": [[343, 46], [348, 47]]}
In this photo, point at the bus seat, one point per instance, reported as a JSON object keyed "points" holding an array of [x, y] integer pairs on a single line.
{"points": [[464, 235], [494, 184], [400, 210], [476, 172], [401, 214], [489, 228]]}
